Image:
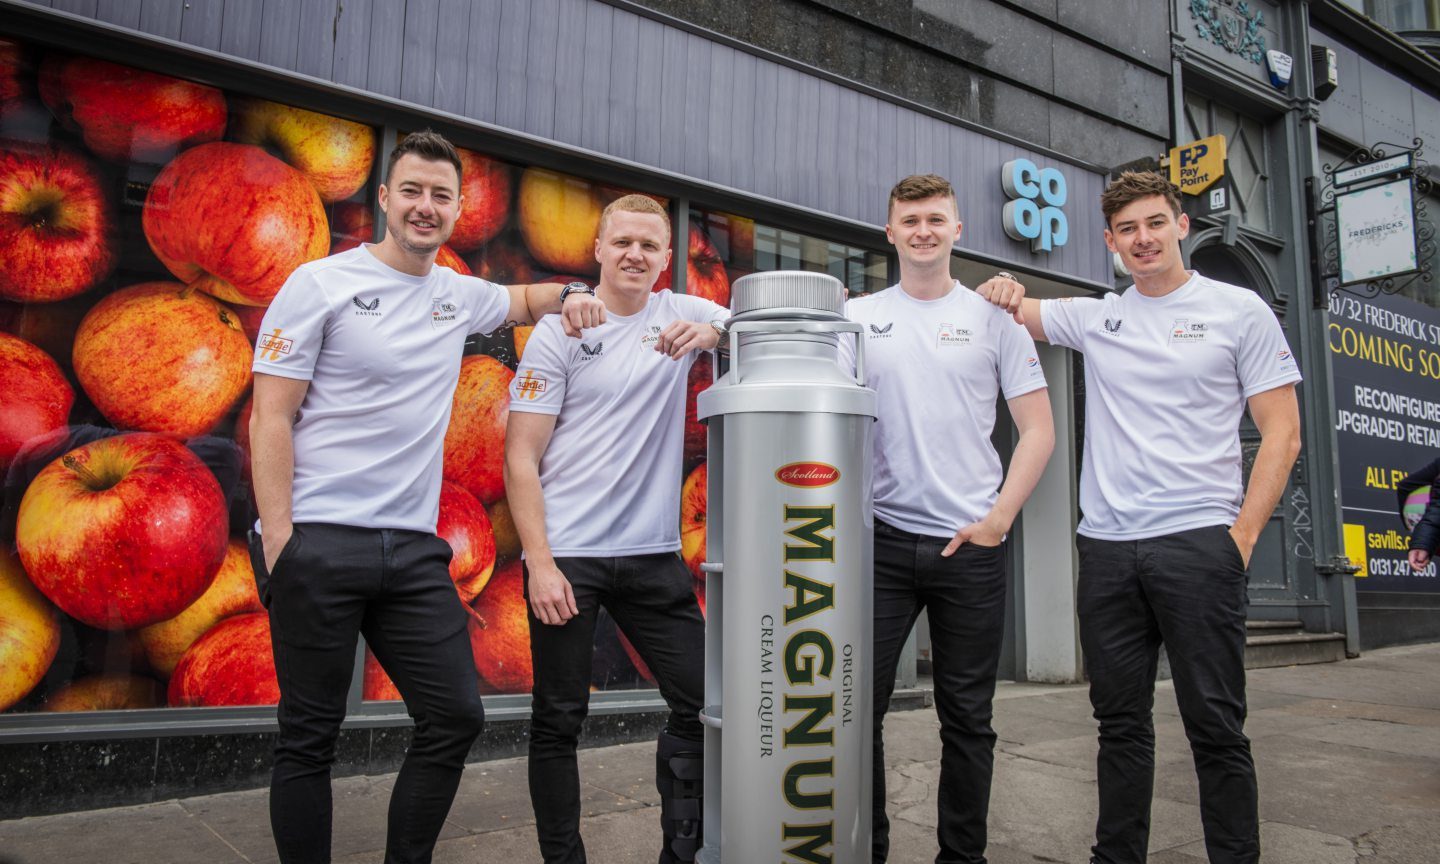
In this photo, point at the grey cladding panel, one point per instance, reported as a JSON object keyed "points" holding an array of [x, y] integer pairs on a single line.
{"points": [[387, 50], [316, 50], [417, 58], [121, 13], [279, 33], [570, 73], [481, 60], [540, 60], [625, 43], [352, 43], [645, 117], [594, 60], [203, 23], [510, 73], [695, 159], [451, 49], [240, 30]]}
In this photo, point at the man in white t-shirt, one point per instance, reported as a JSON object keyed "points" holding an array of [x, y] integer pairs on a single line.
{"points": [[1167, 529], [592, 466], [939, 358], [355, 369]]}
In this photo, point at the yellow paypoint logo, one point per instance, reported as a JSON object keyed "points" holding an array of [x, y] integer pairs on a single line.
{"points": [[1355, 548], [1194, 167]]}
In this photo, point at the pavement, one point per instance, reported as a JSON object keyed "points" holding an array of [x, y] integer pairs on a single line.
{"points": [[1348, 756]]}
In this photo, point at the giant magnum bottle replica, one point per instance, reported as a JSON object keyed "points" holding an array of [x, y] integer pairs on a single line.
{"points": [[788, 594]]}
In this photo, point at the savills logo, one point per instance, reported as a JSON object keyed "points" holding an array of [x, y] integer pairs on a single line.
{"points": [[808, 475]]}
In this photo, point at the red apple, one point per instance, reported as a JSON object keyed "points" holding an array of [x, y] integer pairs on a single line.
{"points": [[335, 155], [123, 532], [234, 221], [233, 592], [162, 357], [692, 520], [465, 526], [29, 632], [502, 647], [57, 227], [446, 257], [485, 185], [352, 221], [475, 441], [232, 664], [127, 114], [705, 274], [107, 693], [35, 398], [696, 434], [559, 216], [507, 539], [503, 262]]}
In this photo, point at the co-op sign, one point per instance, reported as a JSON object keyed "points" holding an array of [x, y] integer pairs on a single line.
{"points": [[1033, 213]]}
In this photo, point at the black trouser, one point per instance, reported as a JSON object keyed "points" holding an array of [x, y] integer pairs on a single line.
{"points": [[965, 596], [652, 599], [1186, 590], [330, 583]]}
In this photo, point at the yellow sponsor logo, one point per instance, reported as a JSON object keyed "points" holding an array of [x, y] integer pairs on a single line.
{"points": [[1194, 167]]}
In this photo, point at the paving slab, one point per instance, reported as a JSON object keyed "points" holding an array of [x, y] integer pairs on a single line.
{"points": [[122, 835]]}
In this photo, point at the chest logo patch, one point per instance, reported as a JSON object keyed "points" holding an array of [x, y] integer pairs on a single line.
{"points": [[951, 336], [442, 313], [881, 331], [1112, 327], [370, 309], [1185, 332], [650, 337], [588, 352]]}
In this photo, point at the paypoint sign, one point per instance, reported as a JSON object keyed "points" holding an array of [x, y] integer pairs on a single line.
{"points": [[1034, 213], [1194, 167]]}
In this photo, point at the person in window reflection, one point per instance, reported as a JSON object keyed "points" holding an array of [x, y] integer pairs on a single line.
{"points": [[593, 468], [1168, 527], [939, 358], [355, 369]]}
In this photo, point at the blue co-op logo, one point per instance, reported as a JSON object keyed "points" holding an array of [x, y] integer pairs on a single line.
{"points": [[1034, 213]]}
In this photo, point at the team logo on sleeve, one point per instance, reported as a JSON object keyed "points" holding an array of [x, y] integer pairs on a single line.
{"points": [[1032, 362], [590, 352], [366, 308], [1185, 331], [442, 313], [272, 345], [530, 386], [881, 331], [951, 336]]}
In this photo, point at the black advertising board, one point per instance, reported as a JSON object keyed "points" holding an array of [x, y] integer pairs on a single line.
{"points": [[1385, 354]]}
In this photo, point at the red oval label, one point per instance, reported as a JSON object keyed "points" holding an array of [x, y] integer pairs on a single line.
{"points": [[807, 474]]}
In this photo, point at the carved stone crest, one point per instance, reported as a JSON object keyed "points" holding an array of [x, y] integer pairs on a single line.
{"points": [[1233, 25]]}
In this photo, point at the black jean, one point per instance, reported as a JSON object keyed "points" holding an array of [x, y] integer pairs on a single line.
{"points": [[965, 598], [652, 599], [331, 583], [1186, 590]]}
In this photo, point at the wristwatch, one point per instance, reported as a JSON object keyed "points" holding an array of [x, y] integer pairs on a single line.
{"points": [[575, 288], [722, 328]]}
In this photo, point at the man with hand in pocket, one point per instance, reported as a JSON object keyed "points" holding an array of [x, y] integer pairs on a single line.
{"points": [[939, 358], [1171, 364]]}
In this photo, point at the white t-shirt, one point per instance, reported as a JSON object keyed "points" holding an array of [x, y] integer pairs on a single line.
{"points": [[1166, 380], [611, 473], [938, 368], [381, 350]]}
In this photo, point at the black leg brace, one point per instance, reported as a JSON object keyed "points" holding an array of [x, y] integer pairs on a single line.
{"points": [[680, 780]]}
